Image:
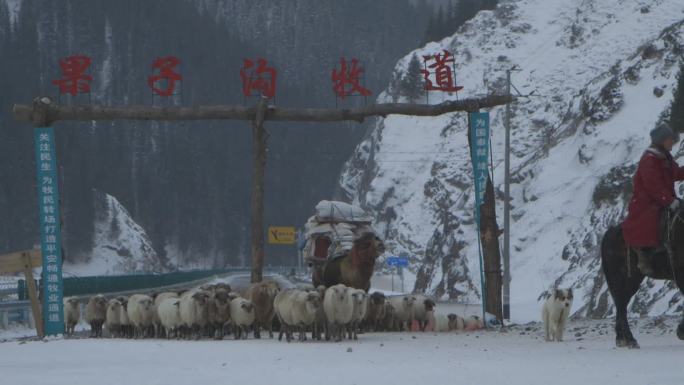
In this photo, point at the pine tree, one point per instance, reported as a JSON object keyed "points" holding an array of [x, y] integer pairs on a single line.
{"points": [[412, 85], [677, 107]]}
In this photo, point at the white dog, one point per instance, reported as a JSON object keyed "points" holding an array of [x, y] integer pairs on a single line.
{"points": [[555, 313]]}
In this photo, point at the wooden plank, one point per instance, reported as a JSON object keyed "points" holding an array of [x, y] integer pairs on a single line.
{"points": [[14, 262], [33, 293], [45, 112]]}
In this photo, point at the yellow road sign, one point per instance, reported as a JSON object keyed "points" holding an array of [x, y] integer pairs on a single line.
{"points": [[281, 235]]}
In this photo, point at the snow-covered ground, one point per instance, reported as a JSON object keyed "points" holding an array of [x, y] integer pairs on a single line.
{"points": [[515, 356]]}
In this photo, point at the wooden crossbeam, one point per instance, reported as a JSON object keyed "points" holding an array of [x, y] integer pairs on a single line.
{"points": [[14, 262], [45, 112]]}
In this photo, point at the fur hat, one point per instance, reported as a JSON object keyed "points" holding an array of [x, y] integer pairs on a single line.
{"points": [[662, 133]]}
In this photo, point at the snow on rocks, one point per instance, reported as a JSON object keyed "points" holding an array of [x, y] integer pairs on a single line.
{"points": [[594, 66]]}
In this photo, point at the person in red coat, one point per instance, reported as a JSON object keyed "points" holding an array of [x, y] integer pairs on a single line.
{"points": [[653, 192]]}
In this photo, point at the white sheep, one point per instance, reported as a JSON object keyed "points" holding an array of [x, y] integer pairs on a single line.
{"points": [[159, 330], [162, 296], [403, 311], [472, 323], [283, 304], [168, 312], [72, 314], [95, 314], [423, 310], [360, 300], [141, 313], [306, 306], [194, 312], [242, 315], [113, 317], [339, 307]]}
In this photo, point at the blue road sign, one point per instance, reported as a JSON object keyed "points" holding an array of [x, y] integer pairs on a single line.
{"points": [[50, 234], [397, 261]]}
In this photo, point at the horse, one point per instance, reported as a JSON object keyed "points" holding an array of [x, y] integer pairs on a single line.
{"points": [[624, 278]]}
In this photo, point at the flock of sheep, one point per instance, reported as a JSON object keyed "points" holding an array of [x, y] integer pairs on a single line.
{"points": [[215, 311]]}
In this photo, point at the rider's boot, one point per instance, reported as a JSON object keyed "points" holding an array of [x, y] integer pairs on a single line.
{"points": [[646, 255]]}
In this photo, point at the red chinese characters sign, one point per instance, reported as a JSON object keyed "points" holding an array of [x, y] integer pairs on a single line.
{"points": [[258, 77], [166, 75], [441, 67], [346, 81], [74, 78]]}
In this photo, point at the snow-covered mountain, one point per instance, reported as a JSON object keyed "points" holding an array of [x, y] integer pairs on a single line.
{"points": [[121, 245], [602, 74]]}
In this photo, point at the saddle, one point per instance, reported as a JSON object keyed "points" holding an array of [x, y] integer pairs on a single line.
{"points": [[655, 263]]}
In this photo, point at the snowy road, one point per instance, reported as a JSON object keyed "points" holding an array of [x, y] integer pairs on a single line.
{"points": [[515, 357]]}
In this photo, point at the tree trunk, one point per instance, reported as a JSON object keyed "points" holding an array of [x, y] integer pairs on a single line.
{"points": [[489, 236]]}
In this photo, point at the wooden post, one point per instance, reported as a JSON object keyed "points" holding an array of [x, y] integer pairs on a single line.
{"points": [[25, 261], [259, 164], [33, 293]]}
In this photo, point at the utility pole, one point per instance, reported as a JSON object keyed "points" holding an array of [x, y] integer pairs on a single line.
{"points": [[507, 207], [257, 206]]}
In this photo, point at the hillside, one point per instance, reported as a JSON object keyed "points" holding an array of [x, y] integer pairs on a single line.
{"points": [[602, 74]]}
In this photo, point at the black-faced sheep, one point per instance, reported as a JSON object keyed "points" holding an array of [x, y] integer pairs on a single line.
{"points": [[455, 322], [72, 314], [375, 313], [423, 310], [219, 312], [95, 314]]}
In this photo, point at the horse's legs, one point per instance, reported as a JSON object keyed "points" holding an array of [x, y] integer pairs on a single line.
{"points": [[622, 286], [622, 289]]}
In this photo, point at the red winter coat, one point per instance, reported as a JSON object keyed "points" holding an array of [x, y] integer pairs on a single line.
{"points": [[653, 192]]}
